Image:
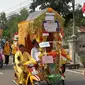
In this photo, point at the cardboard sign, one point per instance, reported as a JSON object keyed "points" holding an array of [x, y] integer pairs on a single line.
{"points": [[44, 44], [47, 59], [50, 16], [51, 26]]}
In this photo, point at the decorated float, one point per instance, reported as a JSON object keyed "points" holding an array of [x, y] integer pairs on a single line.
{"points": [[46, 27]]}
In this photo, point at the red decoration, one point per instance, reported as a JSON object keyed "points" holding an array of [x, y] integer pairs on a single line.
{"points": [[83, 8], [16, 33]]}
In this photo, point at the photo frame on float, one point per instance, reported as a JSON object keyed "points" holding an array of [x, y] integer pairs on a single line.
{"points": [[51, 26]]}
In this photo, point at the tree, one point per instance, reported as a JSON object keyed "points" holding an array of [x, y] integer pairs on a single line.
{"points": [[3, 20], [78, 15], [62, 6], [79, 21], [12, 23], [68, 29], [13, 20], [24, 13]]}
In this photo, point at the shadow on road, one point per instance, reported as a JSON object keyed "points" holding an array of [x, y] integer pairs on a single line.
{"points": [[80, 82]]}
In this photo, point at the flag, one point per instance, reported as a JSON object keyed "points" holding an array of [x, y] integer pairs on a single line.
{"points": [[83, 8]]}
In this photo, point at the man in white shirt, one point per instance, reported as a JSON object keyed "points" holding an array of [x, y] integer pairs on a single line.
{"points": [[35, 50]]}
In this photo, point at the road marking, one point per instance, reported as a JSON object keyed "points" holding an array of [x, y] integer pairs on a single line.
{"points": [[14, 82], [1, 73], [75, 72]]}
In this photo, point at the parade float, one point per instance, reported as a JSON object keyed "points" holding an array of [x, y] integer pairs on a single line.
{"points": [[46, 27]]}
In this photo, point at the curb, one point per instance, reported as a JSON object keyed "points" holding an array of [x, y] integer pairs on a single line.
{"points": [[83, 72]]}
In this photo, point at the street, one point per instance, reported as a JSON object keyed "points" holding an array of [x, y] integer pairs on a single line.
{"points": [[74, 78], [6, 77]]}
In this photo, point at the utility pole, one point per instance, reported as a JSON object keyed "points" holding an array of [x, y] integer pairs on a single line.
{"points": [[72, 40], [73, 6], [73, 35]]}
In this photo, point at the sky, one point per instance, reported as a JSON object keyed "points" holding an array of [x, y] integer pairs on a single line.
{"points": [[12, 5], [80, 1], [9, 6]]}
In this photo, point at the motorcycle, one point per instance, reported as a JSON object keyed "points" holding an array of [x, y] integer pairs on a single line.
{"points": [[30, 75]]}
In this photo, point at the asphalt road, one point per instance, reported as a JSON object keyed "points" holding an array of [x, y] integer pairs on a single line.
{"points": [[73, 78], [6, 77]]}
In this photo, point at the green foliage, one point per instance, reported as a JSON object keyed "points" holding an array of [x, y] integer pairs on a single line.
{"points": [[78, 15], [6, 32], [3, 20], [79, 21], [68, 30], [82, 58], [59, 5], [24, 13], [83, 22], [13, 20], [12, 23]]}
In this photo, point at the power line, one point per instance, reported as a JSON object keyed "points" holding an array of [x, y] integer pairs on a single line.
{"points": [[17, 10], [17, 5]]}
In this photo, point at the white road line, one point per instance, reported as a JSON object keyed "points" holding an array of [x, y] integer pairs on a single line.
{"points": [[1, 73], [15, 82], [75, 72]]}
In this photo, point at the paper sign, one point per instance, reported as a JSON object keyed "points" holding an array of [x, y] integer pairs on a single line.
{"points": [[49, 18], [50, 14], [51, 26], [47, 59], [44, 44]]}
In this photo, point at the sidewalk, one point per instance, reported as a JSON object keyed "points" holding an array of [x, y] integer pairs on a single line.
{"points": [[80, 70]]}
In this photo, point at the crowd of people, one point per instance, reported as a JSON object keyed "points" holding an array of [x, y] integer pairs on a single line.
{"points": [[8, 49]]}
